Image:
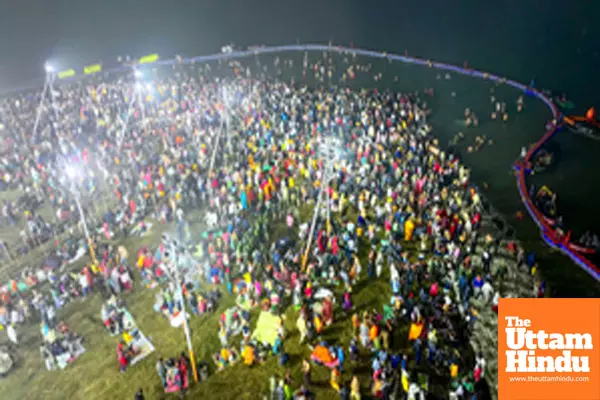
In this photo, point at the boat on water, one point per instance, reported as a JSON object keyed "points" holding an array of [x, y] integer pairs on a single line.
{"points": [[561, 100], [545, 202], [542, 160], [586, 125], [564, 103]]}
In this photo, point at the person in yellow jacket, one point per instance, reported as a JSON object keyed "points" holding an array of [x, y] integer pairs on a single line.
{"points": [[355, 389], [409, 227], [140, 261], [334, 381], [318, 321], [453, 370], [248, 355]]}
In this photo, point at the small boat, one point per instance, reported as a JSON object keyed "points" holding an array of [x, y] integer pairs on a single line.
{"points": [[565, 104], [545, 202], [542, 160], [562, 102], [586, 125]]}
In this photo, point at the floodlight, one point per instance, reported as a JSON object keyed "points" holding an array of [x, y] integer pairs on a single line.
{"points": [[48, 67], [70, 171]]}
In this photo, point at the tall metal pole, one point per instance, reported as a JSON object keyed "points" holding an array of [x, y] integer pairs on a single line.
{"points": [[311, 231], [6, 252], [40, 108], [329, 156], [85, 227], [125, 123], [182, 300], [214, 153], [138, 94], [143, 111], [224, 125], [70, 184], [52, 77], [328, 205]]}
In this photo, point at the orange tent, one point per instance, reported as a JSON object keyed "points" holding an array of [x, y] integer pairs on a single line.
{"points": [[322, 354]]}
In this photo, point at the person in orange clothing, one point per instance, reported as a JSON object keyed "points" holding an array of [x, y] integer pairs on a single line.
{"points": [[355, 324], [374, 334]]}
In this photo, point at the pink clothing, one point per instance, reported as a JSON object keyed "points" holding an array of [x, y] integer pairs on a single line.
{"points": [[293, 279], [433, 291], [106, 231]]}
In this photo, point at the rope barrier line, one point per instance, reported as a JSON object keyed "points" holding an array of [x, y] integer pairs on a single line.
{"points": [[548, 232]]}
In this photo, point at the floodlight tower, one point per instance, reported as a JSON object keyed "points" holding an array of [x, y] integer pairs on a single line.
{"points": [[70, 178], [139, 88], [330, 153], [48, 70], [50, 78], [175, 250], [121, 137], [227, 100]]}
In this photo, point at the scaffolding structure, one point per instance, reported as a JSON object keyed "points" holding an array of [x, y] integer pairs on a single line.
{"points": [[330, 151]]}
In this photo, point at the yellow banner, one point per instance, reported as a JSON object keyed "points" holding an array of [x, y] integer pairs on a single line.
{"points": [[92, 69], [150, 58], [66, 74]]}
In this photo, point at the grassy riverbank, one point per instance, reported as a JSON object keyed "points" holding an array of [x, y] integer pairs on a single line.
{"points": [[95, 375]]}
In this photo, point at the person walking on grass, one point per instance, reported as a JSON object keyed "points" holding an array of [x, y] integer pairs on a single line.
{"points": [[161, 369], [11, 332], [306, 368], [139, 395]]}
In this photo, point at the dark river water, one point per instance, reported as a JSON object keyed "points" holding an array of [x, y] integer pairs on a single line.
{"points": [[553, 42]]}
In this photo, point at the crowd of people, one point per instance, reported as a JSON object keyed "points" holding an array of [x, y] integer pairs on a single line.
{"points": [[258, 154]]}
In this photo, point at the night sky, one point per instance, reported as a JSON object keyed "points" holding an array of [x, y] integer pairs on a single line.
{"points": [[554, 41]]}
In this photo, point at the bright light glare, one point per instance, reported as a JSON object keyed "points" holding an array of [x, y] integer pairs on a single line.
{"points": [[139, 86], [137, 73], [71, 172], [48, 67]]}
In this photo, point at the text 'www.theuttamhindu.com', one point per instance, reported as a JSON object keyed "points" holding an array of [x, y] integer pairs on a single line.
{"points": [[549, 379]]}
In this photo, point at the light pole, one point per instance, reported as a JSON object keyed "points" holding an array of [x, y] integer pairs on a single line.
{"points": [[50, 78], [173, 246], [224, 126], [139, 88], [48, 68], [71, 175], [330, 153], [129, 112]]}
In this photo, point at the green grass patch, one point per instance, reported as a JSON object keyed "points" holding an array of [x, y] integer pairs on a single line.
{"points": [[95, 375]]}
